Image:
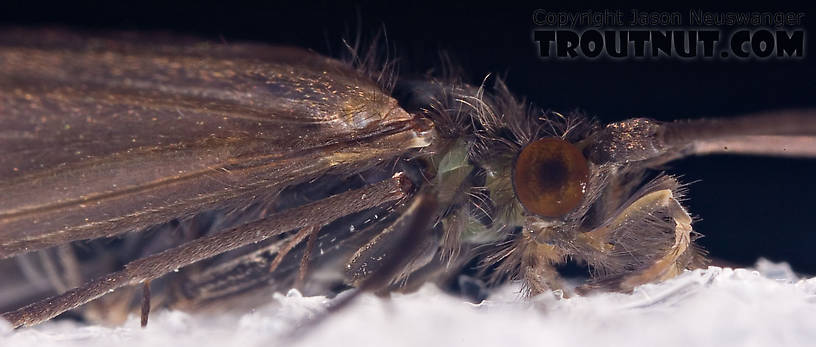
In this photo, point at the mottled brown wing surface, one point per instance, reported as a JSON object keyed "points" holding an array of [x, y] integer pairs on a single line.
{"points": [[100, 137]]}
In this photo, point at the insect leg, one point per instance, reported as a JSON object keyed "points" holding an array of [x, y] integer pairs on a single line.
{"points": [[538, 272], [675, 258], [415, 224], [415, 227], [51, 271], [60, 267], [145, 302], [368, 261], [317, 213], [649, 239], [304, 260], [301, 234], [70, 265]]}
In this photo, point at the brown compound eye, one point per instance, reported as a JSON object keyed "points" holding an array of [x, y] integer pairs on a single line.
{"points": [[550, 177]]}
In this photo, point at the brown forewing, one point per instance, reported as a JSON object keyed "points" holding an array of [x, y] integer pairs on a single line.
{"points": [[100, 137]]}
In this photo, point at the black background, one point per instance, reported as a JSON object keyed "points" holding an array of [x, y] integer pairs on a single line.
{"points": [[750, 207]]}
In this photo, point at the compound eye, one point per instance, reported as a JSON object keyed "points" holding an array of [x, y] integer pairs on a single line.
{"points": [[550, 177]]}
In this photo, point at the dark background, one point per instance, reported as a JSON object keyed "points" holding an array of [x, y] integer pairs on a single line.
{"points": [[750, 207]]}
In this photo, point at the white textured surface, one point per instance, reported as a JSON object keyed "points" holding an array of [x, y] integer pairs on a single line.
{"points": [[712, 307]]}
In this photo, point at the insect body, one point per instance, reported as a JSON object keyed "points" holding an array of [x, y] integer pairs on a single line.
{"points": [[255, 166]]}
